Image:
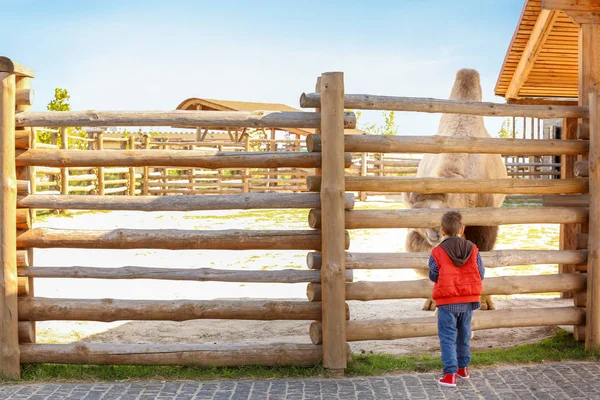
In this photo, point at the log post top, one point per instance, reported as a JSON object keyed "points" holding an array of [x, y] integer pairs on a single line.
{"points": [[8, 65]]}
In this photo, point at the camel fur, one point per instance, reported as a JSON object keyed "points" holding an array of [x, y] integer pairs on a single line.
{"points": [[458, 166]]}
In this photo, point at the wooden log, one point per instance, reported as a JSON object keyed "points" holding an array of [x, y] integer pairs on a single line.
{"points": [[110, 310], [428, 105], [332, 206], [178, 274], [440, 185], [447, 144], [174, 239], [64, 172], [9, 336], [580, 299], [23, 138], [199, 355], [581, 169], [24, 97], [23, 287], [22, 258], [582, 241], [491, 259], [9, 350], [9, 66], [592, 329], [246, 201], [579, 333], [430, 218], [392, 329], [169, 158], [23, 219], [205, 119], [366, 291], [23, 187], [565, 200], [26, 332]]}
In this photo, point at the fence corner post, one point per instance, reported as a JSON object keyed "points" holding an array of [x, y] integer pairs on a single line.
{"points": [[592, 334], [332, 225], [9, 337]]}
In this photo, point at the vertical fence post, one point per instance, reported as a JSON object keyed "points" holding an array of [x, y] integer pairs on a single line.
{"points": [[146, 168], [245, 178], [332, 231], [592, 334], [64, 171], [9, 336], [363, 172], [100, 146], [132, 169]]}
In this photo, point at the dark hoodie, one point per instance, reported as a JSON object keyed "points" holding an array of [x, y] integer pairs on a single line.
{"points": [[458, 249]]}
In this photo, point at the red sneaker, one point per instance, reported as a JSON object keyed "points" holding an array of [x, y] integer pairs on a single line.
{"points": [[463, 373], [448, 380]]}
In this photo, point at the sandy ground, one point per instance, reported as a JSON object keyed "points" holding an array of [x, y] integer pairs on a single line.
{"points": [[225, 331]]}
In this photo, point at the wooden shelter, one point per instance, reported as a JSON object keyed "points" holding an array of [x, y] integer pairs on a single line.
{"points": [[554, 58], [195, 103]]}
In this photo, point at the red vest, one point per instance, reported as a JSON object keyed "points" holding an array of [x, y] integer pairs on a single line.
{"points": [[456, 284]]}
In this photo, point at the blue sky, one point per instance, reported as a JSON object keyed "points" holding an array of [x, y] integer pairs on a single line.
{"points": [[151, 55]]}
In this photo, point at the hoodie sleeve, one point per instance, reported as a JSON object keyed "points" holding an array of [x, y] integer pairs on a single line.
{"points": [[434, 271], [480, 266]]}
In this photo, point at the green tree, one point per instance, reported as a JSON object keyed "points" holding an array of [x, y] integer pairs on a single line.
{"points": [[388, 127], [61, 102], [506, 129]]}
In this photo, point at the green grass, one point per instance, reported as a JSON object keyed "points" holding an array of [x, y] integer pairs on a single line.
{"points": [[560, 347]]}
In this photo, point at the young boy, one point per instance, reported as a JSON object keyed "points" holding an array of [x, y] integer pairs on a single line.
{"points": [[457, 270]]}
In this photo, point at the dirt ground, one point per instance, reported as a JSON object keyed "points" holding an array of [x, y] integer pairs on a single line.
{"points": [[225, 331]]}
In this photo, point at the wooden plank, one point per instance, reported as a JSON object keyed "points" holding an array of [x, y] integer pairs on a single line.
{"points": [[571, 5], [177, 274], [173, 239], [198, 355], [168, 158], [206, 119], [179, 203], [430, 218], [439, 185], [539, 34], [504, 285], [110, 310], [9, 333], [491, 259], [446, 144], [392, 329], [417, 104], [332, 206], [592, 333]]}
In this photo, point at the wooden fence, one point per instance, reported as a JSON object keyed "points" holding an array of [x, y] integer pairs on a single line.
{"points": [[166, 181], [329, 278]]}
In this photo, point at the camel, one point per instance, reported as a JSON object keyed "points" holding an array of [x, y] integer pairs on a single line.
{"points": [[451, 166]]}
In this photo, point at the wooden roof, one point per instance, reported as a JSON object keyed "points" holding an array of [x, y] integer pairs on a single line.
{"points": [[542, 58], [195, 103]]}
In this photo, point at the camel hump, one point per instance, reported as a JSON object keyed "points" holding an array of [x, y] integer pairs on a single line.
{"points": [[466, 86]]}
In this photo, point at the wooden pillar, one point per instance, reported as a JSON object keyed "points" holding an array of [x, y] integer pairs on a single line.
{"points": [[64, 171], [9, 334], [146, 168], [27, 173], [363, 172], [245, 179], [592, 333], [100, 146], [568, 232], [332, 222], [132, 169]]}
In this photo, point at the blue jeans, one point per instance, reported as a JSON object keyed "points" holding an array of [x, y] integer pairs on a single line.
{"points": [[454, 330]]}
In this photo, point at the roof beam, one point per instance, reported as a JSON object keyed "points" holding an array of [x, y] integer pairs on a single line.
{"points": [[581, 11], [539, 34]]}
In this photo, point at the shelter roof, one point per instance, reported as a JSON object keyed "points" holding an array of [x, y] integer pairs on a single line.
{"points": [[542, 58]]}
